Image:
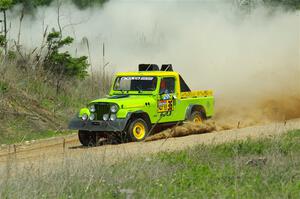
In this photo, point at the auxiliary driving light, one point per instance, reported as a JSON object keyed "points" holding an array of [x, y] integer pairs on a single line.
{"points": [[92, 116], [84, 117], [105, 117], [113, 117]]}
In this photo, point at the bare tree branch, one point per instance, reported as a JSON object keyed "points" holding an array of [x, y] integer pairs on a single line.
{"points": [[58, 17], [20, 25]]}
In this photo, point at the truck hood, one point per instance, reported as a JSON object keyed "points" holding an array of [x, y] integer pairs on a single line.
{"points": [[127, 101]]}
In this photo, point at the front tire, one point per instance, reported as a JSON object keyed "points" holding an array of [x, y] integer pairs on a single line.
{"points": [[87, 138], [138, 130]]}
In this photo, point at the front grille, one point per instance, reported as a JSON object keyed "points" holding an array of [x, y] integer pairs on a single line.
{"points": [[101, 109]]}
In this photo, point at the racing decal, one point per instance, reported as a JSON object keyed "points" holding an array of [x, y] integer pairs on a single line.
{"points": [[167, 97], [165, 106], [204, 93], [138, 78]]}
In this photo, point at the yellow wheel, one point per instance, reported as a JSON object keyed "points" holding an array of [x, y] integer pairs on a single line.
{"points": [[197, 117], [138, 130]]}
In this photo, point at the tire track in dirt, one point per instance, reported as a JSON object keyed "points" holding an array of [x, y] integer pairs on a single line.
{"points": [[55, 150]]}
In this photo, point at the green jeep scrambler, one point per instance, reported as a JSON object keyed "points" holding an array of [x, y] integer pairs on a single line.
{"points": [[140, 101]]}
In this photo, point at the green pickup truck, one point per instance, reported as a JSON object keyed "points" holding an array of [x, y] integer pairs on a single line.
{"points": [[140, 101]]}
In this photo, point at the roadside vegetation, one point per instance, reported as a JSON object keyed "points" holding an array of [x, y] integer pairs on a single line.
{"points": [[266, 168], [37, 98], [42, 88]]}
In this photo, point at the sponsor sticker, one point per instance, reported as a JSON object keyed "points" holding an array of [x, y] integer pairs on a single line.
{"points": [[142, 78], [165, 106]]}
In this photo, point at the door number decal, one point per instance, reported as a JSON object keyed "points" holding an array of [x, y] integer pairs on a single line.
{"points": [[165, 106]]}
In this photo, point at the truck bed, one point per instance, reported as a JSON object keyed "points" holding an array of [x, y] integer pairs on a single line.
{"points": [[194, 94]]}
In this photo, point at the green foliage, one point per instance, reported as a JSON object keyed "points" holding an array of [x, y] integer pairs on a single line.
{"points": [[82, 4], [201, 172], [55, 41], [65, 65], [62, 64], [289, 4], [41, 2], [5, 4], [37, 91], [3, 87], [31, 4], [22, 126], [2, 40], [87, 3], [11, 55]]}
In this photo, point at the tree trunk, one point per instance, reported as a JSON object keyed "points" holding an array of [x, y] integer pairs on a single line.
{"points": [[5, 31]]}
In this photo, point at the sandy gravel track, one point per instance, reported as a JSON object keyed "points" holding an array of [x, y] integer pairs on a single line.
{"points": [[55, 149]]}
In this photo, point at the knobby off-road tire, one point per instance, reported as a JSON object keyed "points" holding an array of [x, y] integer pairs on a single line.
{"points": [[137, 130], [197, 117], [87, 138]]}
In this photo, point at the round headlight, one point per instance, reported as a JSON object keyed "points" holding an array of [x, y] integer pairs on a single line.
{"points": [[93, 108], [113, 117], [92, 116], [105, 117], [84, 117], [114, 108]]}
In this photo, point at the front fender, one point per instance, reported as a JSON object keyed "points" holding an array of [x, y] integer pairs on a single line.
{"points": [[84, 111]]}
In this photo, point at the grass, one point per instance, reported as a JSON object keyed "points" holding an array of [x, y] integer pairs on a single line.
{"points": [[3, 87], [34, 135], [21, 128], [267, 168], [30, 107]]}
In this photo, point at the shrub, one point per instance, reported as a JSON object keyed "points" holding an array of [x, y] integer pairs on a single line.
{"points": [[62, 65]]}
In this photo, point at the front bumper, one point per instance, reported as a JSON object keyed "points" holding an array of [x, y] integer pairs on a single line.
{"points": [[99, 126]]}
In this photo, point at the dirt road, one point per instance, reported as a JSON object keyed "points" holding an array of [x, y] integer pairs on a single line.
{"points": [[56, 149]]}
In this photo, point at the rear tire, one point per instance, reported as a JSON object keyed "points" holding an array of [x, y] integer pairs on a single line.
{"points": [[138, 130], [87, 138], [197, 117]]}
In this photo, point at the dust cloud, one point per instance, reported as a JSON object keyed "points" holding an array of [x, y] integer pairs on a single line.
{"points": [[250, 59]]}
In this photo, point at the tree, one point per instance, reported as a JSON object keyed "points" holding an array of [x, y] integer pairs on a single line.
{"points": [[61, 64], [248, 5], [4, 5], [31, 4], [87, 3], [289, 4]]}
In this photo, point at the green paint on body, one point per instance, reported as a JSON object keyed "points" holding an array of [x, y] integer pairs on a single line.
{"points": [[130, 101]]}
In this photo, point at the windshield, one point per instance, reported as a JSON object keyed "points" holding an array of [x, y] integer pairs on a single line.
{"points": [[135, 83]]}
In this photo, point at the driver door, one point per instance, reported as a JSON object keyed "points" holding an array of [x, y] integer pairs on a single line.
{"points": [[166, 104]]}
